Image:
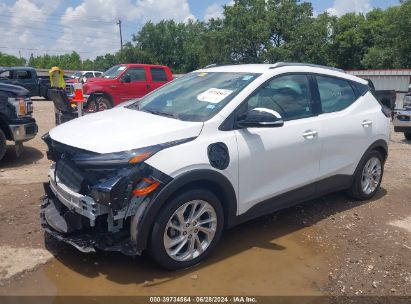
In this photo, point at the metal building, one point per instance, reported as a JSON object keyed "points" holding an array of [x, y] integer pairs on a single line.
{"points": [[395, 79]]}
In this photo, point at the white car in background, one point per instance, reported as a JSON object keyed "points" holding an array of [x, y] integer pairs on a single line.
{"points": [[402, 118], [208, 151], [86, 74]]}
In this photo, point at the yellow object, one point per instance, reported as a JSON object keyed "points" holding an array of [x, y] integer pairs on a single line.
{"points": [[57, 78]]}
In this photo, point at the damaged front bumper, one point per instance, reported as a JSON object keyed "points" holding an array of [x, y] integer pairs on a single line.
{"points": [[90, 221], [86, 239]]}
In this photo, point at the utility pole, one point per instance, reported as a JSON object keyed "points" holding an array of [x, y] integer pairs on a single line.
{"points": [[121, 36]]}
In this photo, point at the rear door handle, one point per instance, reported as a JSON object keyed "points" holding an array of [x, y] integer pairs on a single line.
{"points": [[310, 134], [148, 87], [366, 123]]}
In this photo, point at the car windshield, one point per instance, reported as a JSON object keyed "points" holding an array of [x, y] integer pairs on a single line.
{"points": [[76, 75], [114, 71], [195, 97]]}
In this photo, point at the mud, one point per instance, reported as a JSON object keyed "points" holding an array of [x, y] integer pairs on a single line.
{"points": [[328, 246]]}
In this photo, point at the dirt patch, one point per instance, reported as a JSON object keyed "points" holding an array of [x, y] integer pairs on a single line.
{"points": [[16, 260], [403, 223]]}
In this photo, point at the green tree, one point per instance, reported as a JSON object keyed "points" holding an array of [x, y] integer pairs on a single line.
{"points": [[10, 60]]}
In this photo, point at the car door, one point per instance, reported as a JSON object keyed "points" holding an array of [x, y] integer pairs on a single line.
{"points": [[137, 86], [158, 77], [275, 161], [347, 123]]}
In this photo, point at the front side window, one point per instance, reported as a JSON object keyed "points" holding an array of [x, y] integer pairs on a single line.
{"points": [[5, 75], [195, 96], [114, 71], [136, 74], [289, 95], [335, 94], [89, 75]]}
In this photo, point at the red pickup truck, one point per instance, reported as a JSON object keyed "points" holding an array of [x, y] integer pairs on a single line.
{"points": [[124, 82]]}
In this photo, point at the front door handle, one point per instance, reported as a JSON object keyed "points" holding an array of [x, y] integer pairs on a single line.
{"points": [[148, 87], [366, 123], [310, 134]]}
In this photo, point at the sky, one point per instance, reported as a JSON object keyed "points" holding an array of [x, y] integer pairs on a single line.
{"points": [[89, 26]]}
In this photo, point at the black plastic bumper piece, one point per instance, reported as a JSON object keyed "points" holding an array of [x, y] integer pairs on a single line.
{"points": [[85, 240]]}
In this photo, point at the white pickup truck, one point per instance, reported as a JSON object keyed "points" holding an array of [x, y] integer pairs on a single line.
{"points": [[402, 118]]}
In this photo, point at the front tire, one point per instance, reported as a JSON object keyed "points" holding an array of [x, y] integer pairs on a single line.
{"points": [[98, 104], [187, 229], [368, 176], [407, 135]]}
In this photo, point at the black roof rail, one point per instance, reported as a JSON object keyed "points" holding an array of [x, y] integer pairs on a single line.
{"points": [[283, 64]]}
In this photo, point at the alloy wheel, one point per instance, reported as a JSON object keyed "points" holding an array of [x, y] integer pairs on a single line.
{"points": [[371, 175], [190, 230]]}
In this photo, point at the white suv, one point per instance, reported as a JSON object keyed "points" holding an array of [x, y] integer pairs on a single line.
{"points": [[212, 149]]}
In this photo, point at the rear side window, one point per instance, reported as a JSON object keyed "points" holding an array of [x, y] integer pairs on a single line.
{"points": [[136, 74], [89, 75], [158, 74], [335, 94], [23, 75]]}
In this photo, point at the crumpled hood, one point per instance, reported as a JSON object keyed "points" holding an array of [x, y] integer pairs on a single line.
{"points": [[122, 129]]}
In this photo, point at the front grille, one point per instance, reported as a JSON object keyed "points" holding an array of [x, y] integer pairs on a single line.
{"points": [[69, 89], [71, 176]]}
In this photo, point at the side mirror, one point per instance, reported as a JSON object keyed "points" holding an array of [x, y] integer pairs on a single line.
{"points": [[260, 118], [126, 78]]}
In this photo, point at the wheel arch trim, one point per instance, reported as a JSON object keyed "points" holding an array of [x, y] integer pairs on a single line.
{"points": [[378, 145], [202, 177]]}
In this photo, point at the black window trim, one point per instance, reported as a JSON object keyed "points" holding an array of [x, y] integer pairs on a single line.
{"points": [[350, 82], [229, 123]]}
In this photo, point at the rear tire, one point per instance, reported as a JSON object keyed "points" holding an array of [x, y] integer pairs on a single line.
{"points": [[3, 144], [187, 229], [368, 176], [407, 135]]}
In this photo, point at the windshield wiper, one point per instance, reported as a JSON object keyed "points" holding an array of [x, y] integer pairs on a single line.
{"points": [[155, 112]]}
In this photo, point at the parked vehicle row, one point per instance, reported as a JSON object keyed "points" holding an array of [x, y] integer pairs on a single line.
{"points": [[16, 121], [169, 172]]}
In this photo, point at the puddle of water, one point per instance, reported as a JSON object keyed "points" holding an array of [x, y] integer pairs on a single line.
{"points": [[253, 259]]}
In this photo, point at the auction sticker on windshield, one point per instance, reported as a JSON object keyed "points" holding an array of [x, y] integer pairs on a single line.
{"points": [[214, 95]]}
